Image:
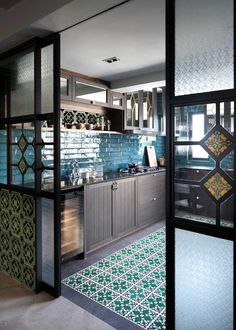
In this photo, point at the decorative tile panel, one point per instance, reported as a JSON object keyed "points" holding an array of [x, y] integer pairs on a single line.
{"points": [[17, 236], [217, 186], [217, 143]]}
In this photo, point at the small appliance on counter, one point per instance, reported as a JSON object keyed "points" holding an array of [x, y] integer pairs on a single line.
{"points": [[137, 168]]}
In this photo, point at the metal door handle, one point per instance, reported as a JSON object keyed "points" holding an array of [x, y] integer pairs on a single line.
{"points": [[154, 199]]}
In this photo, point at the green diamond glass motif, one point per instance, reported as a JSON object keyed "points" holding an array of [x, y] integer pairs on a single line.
{"points": [[22, 166], [22, 143], [217, 143], [217, 186]]}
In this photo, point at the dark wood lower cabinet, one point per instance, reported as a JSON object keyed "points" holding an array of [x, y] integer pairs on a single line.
{"points": [[112, 209], [124, 206], [151, 198]]}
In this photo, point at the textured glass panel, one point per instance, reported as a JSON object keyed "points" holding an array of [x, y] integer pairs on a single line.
{"points": [[227, 212], [193, 203], [148, 110], [193, 122], [203, 46], [47, 79], [3, 155], [22, 85], [47, 206], [227, 116], [192, 163], [132, 111], [48, 180], [227, 164], [203, 282]]}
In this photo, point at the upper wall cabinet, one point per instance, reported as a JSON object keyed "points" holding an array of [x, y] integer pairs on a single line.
{"points": [[145, 112], [79, 88]]}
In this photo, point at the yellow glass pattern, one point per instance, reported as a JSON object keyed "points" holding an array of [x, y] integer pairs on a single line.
{"points": [[217, 143], [22, 143], [217, 186], [22, 166]]}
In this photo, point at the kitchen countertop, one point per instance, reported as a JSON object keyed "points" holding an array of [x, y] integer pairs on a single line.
{"points": [[109, 176]]}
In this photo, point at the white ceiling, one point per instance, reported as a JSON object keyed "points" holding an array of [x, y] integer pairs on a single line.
{"points": [[134, 32]]}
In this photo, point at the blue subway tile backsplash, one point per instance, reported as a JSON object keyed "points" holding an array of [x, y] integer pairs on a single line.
{"points": [[115, 150]]}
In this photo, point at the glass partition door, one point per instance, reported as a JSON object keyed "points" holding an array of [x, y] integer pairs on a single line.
{"points": [[200, 96], [30, 215]]}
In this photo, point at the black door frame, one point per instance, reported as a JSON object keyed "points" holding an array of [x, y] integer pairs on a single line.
{"points": [[171, 221]]}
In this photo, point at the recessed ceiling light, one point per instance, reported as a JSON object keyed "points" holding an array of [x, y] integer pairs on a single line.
{"points": [[111, 59]]}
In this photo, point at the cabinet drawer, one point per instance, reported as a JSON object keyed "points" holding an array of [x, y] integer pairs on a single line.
{"points": [[152, 210], [150, 185]]}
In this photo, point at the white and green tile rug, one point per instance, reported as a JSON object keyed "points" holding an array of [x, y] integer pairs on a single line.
{"points": [[130, 282]]}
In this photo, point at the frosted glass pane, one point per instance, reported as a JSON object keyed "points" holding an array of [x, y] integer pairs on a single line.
{"points": [[203, 46], [22, 85], [47, 79], [204, 282]]}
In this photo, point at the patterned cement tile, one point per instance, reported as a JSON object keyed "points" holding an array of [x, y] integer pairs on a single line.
{"points": [[75, 281], [104, 279], [122, 305], [89, 272], [129, 263], [149, 283], [130, 282], [105, 296], [154, 302], [89, 288], [132, 277], [159, 323], [143, 269], [142, 316], [136, 293], [119, 285], [117, 270]]}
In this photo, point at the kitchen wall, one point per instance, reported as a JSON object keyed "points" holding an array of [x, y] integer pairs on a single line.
{"points": [[115, 150]]}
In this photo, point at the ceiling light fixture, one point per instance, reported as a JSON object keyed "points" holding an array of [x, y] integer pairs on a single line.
{"points": [[111, 59]]}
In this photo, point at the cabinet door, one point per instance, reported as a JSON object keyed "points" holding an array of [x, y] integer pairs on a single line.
{"points": [[124, 205], [98, 214], [151, 198]]}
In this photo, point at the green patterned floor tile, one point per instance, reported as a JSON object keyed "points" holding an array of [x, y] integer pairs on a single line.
{"points": [[75, 280], [143, 268], [149, 283], [130, 282], [136, 293], [122, 305], [116, 270], [119, 285], [139, 256], [161, 291], [129, 263], [132, 277], [142, 316], [158, 274], [159, 323], [114, 258], [103, 264], [103, 279], [104, 296], [154, 302], [149, 250], [90, 272], [89, 288]]}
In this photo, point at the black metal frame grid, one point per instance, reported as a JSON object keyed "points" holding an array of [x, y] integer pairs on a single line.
{"points": [[35, 45], [173, 101]]}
